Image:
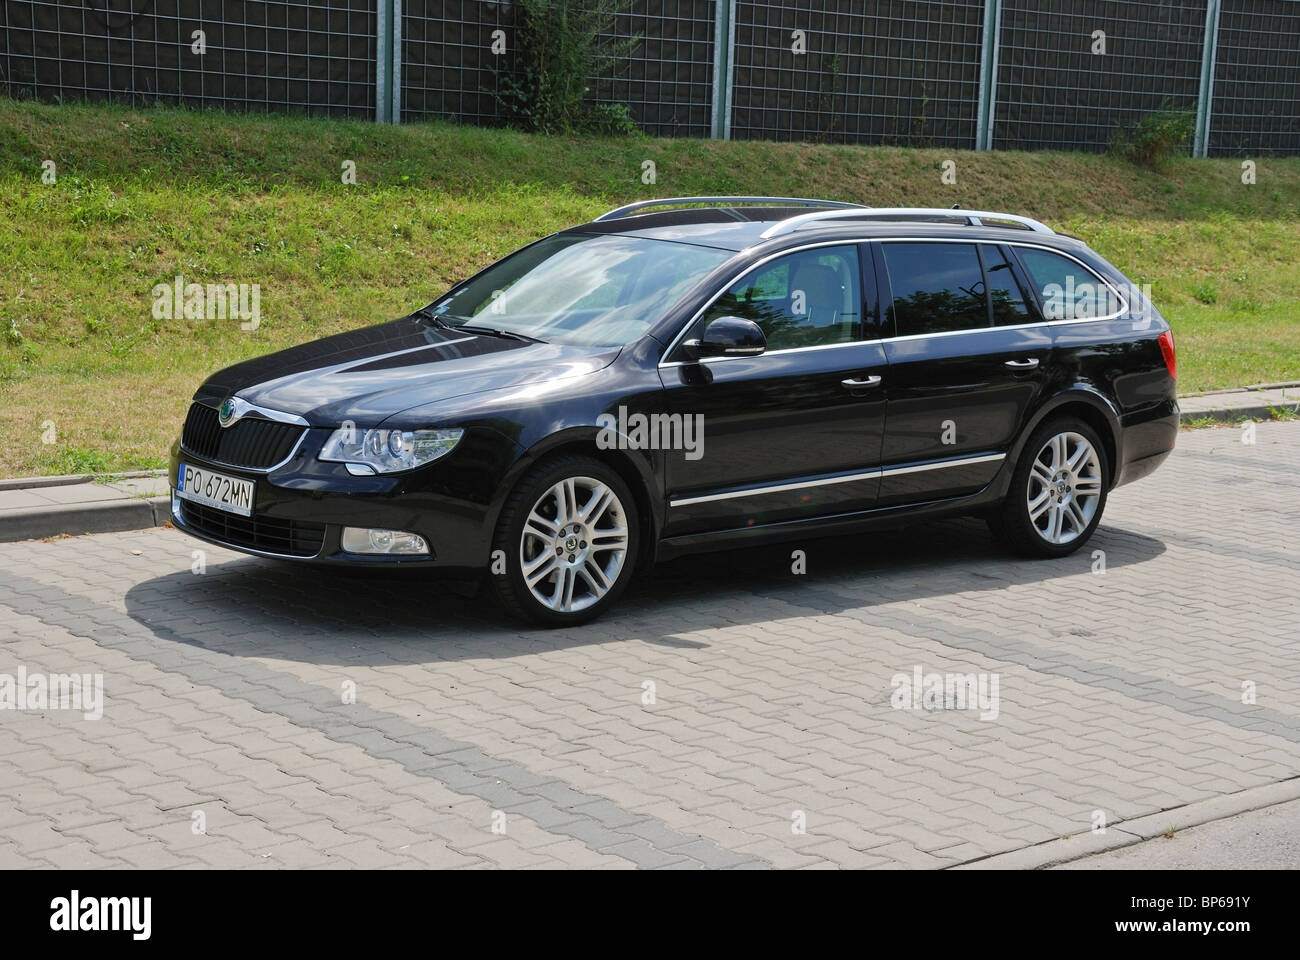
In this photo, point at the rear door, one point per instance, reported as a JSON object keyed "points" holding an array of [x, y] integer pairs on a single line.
{"points": [[795, 432], [968, 356]]}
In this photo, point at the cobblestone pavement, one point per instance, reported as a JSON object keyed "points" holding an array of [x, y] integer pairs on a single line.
{"points": [[730, 714]]}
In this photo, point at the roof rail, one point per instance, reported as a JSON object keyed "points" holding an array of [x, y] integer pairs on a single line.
{"points": [[631, 208], [973, 218]]}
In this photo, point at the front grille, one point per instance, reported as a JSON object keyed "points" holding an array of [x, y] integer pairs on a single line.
{"points": [[292, 538], [253, 443]]}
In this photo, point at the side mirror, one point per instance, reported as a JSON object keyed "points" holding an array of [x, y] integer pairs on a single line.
{"points": [[729, 337]]}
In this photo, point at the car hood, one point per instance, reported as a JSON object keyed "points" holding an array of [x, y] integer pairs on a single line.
{"points": [[369, 374]]}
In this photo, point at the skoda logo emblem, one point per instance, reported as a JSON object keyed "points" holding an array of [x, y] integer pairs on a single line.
{"points": [[226, 413]]}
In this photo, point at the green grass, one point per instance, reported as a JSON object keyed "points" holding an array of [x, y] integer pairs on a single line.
{"points": [[145, 195]]}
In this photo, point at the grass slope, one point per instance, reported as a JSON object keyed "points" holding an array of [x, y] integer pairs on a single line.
{"points": [[142, 196]]}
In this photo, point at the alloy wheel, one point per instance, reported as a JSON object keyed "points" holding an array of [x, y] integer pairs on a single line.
{"points": [[574, 544], [1064, 488]]}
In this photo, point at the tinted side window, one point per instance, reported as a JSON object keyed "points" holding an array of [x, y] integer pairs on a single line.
{"points": [[1066, 290], [937, 287], [1009, 300], [809, 298]]}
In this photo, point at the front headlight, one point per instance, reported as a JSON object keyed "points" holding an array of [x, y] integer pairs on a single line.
{"points": [[385, 451]]}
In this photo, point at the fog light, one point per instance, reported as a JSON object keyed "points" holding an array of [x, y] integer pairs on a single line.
{"points": [[372, 540]]}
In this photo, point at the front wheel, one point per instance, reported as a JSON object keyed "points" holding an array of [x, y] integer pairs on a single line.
{"points": [[1058, 491], [568, 534]]}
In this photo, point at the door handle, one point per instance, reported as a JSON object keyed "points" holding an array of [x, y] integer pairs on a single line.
{"points": [[1029, 364], [852, 384]]}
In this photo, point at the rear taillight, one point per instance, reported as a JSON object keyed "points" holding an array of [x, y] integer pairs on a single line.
{"points": [[1167, 351]]}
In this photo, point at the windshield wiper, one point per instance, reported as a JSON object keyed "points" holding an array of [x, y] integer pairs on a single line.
{"points": [[441, 320], [495, 332]]}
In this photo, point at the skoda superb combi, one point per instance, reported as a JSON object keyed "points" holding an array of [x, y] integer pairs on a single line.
{"points": [[695, 374]]}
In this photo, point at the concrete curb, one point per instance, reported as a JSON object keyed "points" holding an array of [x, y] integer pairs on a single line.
{"points": [[1247, 403], [1252, 388], [107, 516], [1126, 833], [30, 483], [1233, 414]]}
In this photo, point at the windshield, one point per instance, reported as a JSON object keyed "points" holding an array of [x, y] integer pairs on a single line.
{"points": [[592, 290]]}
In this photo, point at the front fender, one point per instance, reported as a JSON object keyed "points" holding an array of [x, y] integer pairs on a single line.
{"points": [[640, 467]]}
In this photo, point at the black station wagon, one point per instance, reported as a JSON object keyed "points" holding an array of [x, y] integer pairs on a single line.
{"points": [[701, 373]]}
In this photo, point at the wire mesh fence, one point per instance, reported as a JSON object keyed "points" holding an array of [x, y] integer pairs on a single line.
{"points": [[1256, 102], [447, 59], [897, 72], [1011, 74], [1071, 73], [269, 56], [667, 81], [450, 55]]}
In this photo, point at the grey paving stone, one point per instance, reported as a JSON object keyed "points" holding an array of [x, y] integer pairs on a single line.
{"points": [[1119, 692]]}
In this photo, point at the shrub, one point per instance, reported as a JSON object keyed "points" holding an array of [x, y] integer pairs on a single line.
{"points": [[1156, 137], [614, 119], [557, 47]]}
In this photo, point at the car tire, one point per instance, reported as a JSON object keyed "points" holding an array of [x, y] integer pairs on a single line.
{"points": [[1058, 491], [569, 534]]}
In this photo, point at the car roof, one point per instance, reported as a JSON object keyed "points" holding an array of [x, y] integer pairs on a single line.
{"points": [[742, 226]]}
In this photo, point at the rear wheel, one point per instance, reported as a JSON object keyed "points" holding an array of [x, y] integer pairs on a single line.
{"points": [[569, 536], [1058, 491]]}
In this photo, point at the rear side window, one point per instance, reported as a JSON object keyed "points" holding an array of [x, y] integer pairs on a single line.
{"points": [[1066, 290], [937, 287], [805, 299], [1009, 300]]}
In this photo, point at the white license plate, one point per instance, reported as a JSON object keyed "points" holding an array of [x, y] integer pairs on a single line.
{"points": [[213, 489]]}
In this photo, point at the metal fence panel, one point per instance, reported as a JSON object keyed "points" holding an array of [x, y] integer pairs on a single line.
{"points": [[1256, 104], [447, 58], [666, 81], [898, 72], [1054, 92], [271, 56]]}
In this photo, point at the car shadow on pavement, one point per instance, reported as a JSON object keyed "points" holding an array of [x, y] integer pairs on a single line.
{"points": [[250, 607]]}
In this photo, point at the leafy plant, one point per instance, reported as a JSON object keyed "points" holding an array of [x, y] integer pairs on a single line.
{"points": [[917, 137], [1156, 138], [74, 460], [613, 119], [828, 84], [557, 47]]}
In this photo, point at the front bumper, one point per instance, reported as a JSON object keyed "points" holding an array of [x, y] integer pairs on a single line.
{"points": [[301, 507]]}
